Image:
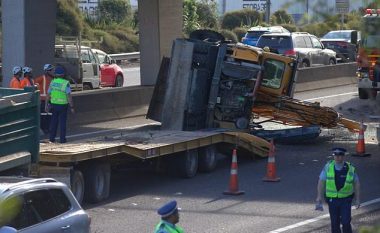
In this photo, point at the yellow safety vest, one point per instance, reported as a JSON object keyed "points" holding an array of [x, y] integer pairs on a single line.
{"points": [[166, 227], [348, 188], [58, 91]]}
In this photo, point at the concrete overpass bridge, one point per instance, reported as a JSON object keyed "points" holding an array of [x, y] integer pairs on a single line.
{"points": [[29, 28]]}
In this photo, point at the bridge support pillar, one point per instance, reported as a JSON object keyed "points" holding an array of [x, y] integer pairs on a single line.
{"points": [[28, 35], [160, 22]]}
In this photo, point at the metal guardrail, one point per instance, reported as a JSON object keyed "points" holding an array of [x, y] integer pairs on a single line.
{"points": [[125, 56]]}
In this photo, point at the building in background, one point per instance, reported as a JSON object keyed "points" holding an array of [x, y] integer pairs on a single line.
{"points": [[90, 7], [296, 8]]}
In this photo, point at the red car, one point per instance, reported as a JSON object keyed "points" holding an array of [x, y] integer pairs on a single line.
{"points": [[111, 75]]}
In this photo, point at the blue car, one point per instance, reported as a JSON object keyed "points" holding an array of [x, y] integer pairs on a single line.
{"points": [[254, 33]]}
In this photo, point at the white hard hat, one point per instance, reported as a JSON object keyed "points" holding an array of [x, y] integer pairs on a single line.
{"points": [[17, 69], [27, 70], [48, 67]]}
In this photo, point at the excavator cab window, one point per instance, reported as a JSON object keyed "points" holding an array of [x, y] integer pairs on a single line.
{"points": [[273, 73]]}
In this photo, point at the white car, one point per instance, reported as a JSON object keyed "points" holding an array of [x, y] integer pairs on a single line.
{"points": [[40, 205]]}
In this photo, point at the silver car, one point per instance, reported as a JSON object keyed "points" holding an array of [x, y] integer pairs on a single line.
{"points": [[40, 205], [309, 50]]}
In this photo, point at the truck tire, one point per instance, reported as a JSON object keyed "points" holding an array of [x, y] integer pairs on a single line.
{"points": [[119, 81], [185, 164], [207, 159], [97, 182], [363, 93], [77, 185]]}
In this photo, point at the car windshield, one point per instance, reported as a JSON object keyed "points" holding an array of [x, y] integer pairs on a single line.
{"points": [[255, 34], [337, 35], [276, 42]]}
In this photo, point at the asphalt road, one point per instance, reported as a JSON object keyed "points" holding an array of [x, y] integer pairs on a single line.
{"points": [[286, 206]]}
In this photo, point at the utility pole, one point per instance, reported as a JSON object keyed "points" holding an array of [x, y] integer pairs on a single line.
{"points": [[267, 13]]}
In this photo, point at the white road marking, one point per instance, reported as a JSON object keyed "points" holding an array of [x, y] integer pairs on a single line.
{"points": [[331, 96], [303, 223], [109, 130]]}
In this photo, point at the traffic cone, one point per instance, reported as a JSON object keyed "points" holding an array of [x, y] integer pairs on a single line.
{"points": [[360, 146], [271, 167], [233, 188]]}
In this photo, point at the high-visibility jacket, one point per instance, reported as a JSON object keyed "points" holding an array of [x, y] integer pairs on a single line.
{"points": [[43, 82], [25, 82], [348, 187], [58, 91], [15, 83], [168, 228]]}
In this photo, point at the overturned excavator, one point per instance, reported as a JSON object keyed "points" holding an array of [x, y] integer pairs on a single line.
{"points": [[211, 83]]}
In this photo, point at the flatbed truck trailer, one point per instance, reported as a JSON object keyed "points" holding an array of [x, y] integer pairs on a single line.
{"points": [[86, 164]]}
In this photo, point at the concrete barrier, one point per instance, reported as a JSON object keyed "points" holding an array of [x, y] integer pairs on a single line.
{"points": [[313, 78], [110, 104]]}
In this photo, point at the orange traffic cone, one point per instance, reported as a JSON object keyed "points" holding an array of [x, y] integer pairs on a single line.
{"points": [[360, 146], [233, 188], [271, 167]]}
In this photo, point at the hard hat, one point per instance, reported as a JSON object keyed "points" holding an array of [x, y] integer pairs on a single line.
{"points": [[26, 70], [48, 67], [168, 209], [17, 69], [59, 71]]}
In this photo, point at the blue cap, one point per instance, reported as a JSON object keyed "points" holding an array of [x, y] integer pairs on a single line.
{"points": [[59, 71], [167, 209], [339, 151]]}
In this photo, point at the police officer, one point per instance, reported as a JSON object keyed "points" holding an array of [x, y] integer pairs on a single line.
{"points": [[339, 184], [169, 217], [59, 96]]}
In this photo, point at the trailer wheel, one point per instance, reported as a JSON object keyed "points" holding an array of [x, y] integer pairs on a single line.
{"points": [[363, 93], [77, 185], [97, 182], [184, 164], [207, 159]]}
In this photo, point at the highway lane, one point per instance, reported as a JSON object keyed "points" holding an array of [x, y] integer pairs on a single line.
{"points": [[265, 207]]}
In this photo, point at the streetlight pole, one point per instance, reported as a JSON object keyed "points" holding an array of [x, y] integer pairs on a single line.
{"points": [[267, 13]]}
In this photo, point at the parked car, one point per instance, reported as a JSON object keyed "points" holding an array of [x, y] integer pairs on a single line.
{"points": [[344, 42], [111, 75], [254, 33], [40, 205], [302, 45]]}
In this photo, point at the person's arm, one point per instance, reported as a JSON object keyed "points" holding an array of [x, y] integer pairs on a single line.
{"points": [[320, 190], [70, 98], [47, 101]]}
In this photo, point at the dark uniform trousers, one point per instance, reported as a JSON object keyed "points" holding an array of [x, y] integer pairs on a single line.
{"points": [[340, 208], [59, 117]]}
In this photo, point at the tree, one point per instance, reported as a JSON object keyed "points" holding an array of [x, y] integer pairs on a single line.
{"points": [[281, 17], [69, 19], [190, 17], [243, 18], [115, 11], [207, 14]]}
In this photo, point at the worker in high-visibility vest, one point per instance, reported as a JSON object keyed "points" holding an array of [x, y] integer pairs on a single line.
{"points": [[339, 184], [169, 217], [43, 82], [16, 79], [58, 100], [27, 81]]}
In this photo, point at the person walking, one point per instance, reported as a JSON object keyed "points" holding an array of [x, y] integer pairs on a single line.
{"points": [[169, 217], [43, 82], [339, 184], [16, 79], [27, 81], [59, 97]]}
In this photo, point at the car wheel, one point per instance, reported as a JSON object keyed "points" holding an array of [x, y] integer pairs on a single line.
{"points": [[119, 81], [332, 62], [77, 185], [207, 159], [97, 182], [363, 93], [305, 63]]}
